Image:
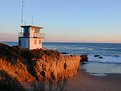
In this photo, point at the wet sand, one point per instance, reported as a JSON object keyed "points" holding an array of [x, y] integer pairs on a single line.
{"points": [[84, 81]]}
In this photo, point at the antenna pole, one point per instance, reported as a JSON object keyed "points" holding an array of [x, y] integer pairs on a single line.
{"points": [[22, 13], [32, 19]]}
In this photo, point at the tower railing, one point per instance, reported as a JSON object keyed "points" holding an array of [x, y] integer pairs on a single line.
{"points": [[20, 34], [35, 35], [39, 35]]}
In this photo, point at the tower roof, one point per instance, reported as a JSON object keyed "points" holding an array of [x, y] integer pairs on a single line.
{"points": [[32, 26]]}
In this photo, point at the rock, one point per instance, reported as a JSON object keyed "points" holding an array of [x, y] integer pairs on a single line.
{"points": [[100, 57], [37, 65], [52, 68], [83, 62], [84, 58], [64, 53], [96, 55]]}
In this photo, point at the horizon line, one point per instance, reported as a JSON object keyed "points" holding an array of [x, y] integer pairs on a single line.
{"points": [[69, 42]]}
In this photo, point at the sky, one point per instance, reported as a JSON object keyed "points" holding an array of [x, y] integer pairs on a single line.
{"points": [[64, 20]]}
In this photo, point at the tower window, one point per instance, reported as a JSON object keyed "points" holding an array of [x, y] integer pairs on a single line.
{"points": [[35, 41]]}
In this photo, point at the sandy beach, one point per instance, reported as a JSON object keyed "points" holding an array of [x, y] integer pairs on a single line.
{"points": [[83, 81]]}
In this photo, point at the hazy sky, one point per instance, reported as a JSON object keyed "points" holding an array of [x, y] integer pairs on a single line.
{"points": [[64, 20]]}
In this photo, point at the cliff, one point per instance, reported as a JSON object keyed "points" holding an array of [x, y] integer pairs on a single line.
{"points": [[23, 65]]}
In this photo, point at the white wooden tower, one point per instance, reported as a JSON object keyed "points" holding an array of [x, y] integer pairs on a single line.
{"points": [[30, 37]]}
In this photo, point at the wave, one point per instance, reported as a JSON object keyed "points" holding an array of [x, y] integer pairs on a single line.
{"points": [[110, 48], [105, 59]]}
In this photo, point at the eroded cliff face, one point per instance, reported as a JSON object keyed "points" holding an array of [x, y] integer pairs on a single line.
{"points": [[36, 65], [56, 68]]}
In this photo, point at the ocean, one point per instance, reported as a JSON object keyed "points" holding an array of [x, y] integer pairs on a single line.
{"points": [[110, 53]]}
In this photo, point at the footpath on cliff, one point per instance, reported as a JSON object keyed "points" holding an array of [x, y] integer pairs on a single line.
{"points": [[18, 65]]}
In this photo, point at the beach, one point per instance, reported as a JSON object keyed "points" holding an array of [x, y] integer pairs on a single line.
{"points": [[83, 81], [96, 75], [60, 45]]}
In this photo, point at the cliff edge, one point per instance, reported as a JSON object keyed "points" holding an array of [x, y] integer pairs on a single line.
{"points": [[36, 65]]}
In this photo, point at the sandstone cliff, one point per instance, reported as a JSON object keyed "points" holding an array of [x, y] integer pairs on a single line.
{"points": [[36, 65]]}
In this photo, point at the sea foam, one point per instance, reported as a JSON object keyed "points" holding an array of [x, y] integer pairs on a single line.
{"points": [[105, 59]]}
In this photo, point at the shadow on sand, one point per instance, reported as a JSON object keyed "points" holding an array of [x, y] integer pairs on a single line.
{"points": [[50, 85]]}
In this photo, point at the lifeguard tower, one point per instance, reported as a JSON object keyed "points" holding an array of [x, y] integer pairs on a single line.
{"points": [[30, 37]]}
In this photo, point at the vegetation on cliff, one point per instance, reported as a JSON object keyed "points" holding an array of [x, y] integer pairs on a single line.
{"points": [[25, 65], [8, 83]]}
